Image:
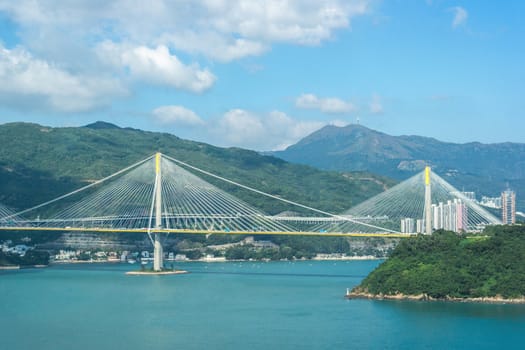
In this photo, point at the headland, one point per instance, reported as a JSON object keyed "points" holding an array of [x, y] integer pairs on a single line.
{"points": [[446, 266]]}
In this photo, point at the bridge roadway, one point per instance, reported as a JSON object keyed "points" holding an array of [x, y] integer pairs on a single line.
{"points": [[206, 232]]}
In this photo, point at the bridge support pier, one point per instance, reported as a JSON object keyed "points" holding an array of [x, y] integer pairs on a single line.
{"points": [[158, 253]]}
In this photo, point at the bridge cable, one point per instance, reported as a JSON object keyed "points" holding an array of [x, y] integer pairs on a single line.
{"points": [[275, 197], [81, 189]]}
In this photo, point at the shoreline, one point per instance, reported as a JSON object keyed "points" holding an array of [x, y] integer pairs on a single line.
{"points": [[203, 260], [59, 262], [21, 267], [222, 260], [425, 297], [349, 258], [155, 273]]}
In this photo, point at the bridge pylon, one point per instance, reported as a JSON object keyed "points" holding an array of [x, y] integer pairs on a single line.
{"points": [[428, 202], [158, 252]]}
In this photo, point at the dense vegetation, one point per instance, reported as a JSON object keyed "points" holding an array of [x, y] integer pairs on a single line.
{"points": [[31, 258], [446, 264], [38, 163], [289, 247], [294, 247]]}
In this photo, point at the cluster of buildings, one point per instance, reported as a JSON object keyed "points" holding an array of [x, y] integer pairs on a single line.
{"points": [[453, 215], [506, 202], [65, 255], [491, 202], [450, 216], [19, 249]]}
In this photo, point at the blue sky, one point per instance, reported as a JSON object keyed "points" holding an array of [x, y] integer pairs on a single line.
{"points": [[263, 74]]}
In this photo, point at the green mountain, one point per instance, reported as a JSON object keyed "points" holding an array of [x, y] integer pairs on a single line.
{"points": [[38, 163], [446, 265], [486, 169]]}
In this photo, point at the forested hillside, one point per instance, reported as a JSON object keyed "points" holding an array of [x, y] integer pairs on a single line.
{"points": [[446, 265], [38, 163]]}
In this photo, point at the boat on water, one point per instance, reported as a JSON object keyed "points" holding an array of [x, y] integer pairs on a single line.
{"points": [[132, 261]]}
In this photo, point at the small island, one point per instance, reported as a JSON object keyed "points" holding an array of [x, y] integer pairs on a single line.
{"points": [[488, 267]]}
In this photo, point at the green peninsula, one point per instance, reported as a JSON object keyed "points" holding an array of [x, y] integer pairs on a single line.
{"points": [[489, 267]]}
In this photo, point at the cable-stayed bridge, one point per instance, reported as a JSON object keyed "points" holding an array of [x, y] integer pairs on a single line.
{"points": [[420, 204], [162, 195], [7, 216]]}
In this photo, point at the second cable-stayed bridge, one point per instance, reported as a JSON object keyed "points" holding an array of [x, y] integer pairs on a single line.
{"points": [[161, 195]]}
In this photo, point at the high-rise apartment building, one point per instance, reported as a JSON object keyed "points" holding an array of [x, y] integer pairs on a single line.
{"points": [[407, 225], [451, 216], [508, 207]]}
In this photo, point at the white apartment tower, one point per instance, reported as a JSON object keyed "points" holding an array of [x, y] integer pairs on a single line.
{"points": [[508, 206]]}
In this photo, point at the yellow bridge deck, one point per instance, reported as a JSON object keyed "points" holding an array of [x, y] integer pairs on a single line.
{"points": [[206, 232]]}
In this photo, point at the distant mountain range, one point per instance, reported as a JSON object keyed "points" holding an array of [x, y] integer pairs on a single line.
{"points": [[486, 169], [38, 163]]}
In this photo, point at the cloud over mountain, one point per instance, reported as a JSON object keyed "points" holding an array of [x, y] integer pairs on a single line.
{"points": [[113, 44]]}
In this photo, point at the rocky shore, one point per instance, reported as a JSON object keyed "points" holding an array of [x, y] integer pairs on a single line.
{"points": [[424, 297]]}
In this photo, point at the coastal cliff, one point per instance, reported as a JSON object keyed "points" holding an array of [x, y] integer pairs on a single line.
{"points": [[445, 266]]}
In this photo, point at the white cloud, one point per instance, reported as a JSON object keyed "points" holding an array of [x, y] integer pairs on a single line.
{"points": [[300, 22], [109, 45], [286, 130], [228, 30], [271, 131], [218, 29], [215, 45], [157, 66], [177, 115], [329, 105], [376, 106], [45, 85], [460, 16], [240, 127]]}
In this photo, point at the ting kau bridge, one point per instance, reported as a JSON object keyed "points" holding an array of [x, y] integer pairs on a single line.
{"points": [[161, 195]]}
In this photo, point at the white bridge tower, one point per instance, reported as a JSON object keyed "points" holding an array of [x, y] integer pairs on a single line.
{"points": [[158, 253]]}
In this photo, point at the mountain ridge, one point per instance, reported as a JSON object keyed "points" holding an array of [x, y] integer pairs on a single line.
{"points": [[102, 125], [473, 166]]}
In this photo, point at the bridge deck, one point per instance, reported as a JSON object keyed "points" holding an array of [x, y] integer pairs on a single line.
{"points": [[207, 232]]}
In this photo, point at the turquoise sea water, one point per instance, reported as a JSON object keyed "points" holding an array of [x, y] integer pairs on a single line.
{"points": [[249, 305]]}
